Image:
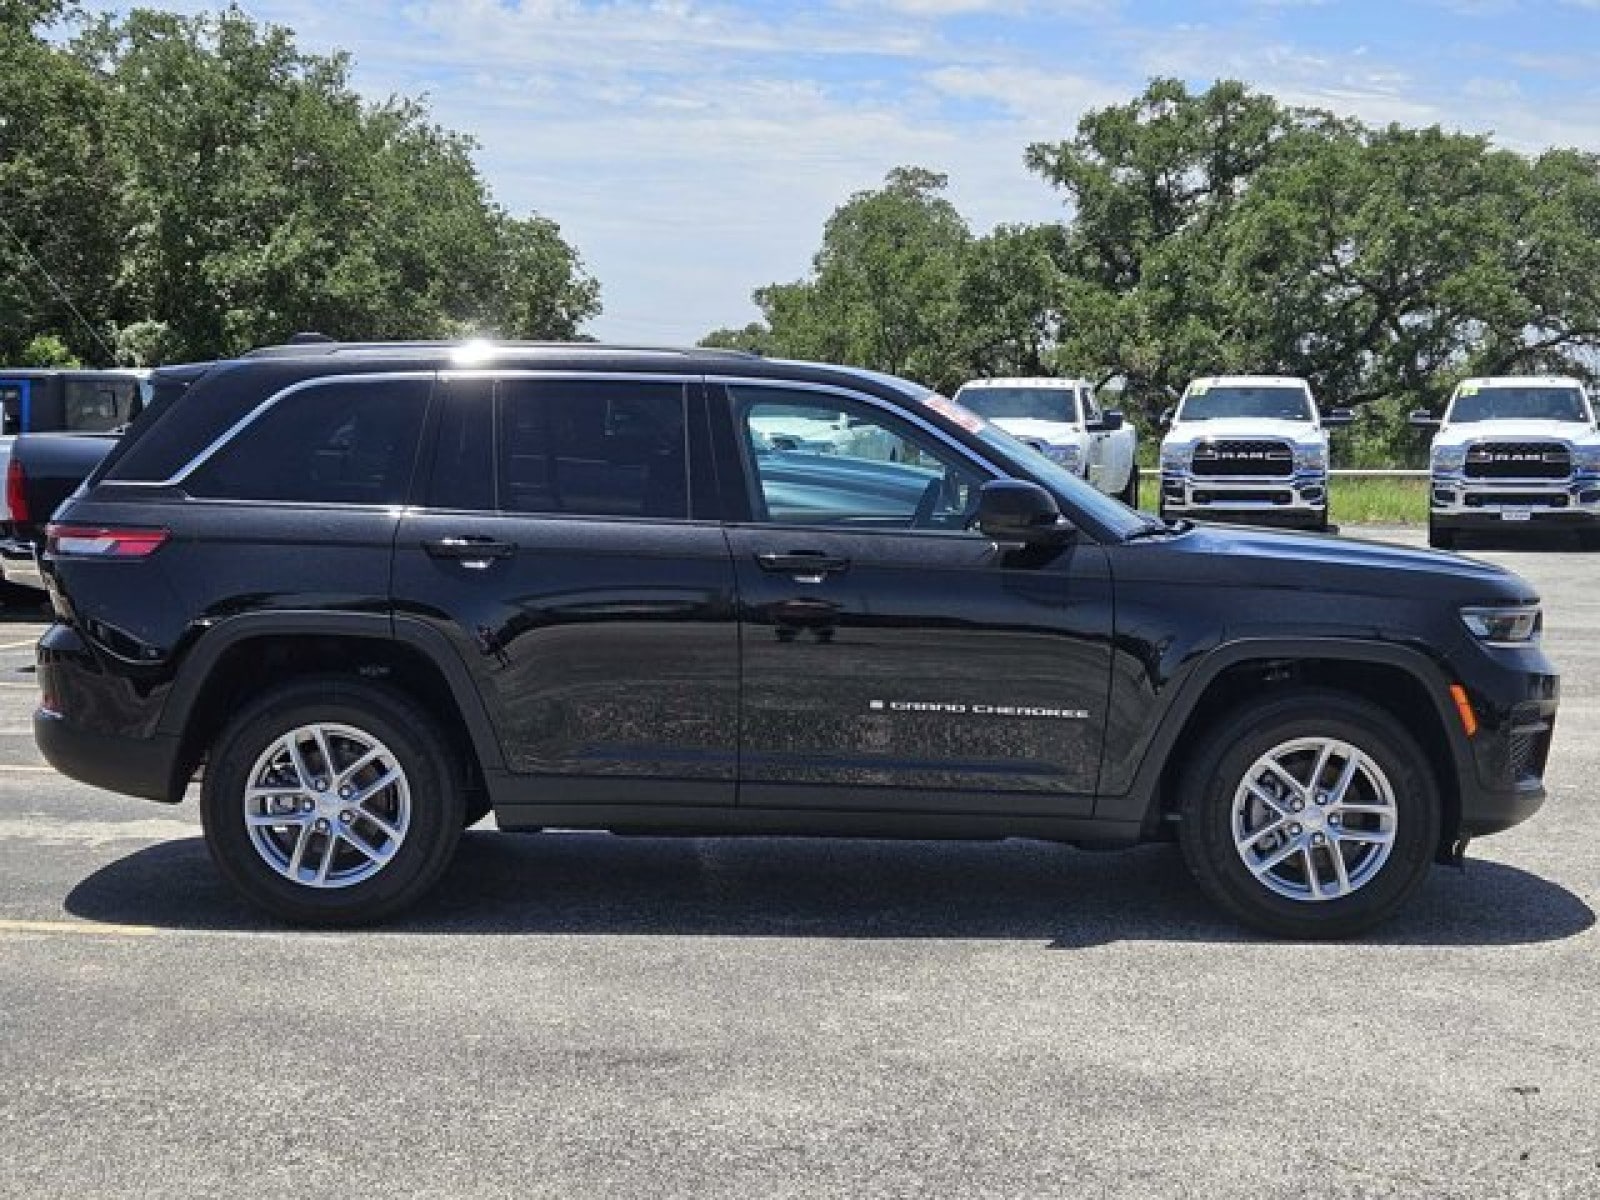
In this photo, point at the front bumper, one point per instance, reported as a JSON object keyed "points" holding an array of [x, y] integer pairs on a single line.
{"points": [[1298, 499], [1458, 502]]}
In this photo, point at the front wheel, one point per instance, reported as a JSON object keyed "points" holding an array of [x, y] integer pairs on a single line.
{"points": [[1310, 815], [332, 802]]}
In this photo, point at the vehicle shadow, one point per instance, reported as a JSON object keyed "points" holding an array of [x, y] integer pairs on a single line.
{"points": [[587, 883]]}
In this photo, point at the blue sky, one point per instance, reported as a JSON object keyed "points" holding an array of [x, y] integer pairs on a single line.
{"points": [[692, 149]]}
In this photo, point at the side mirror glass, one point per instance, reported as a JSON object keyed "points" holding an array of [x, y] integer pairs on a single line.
{"points": [[1109, 422], [1423, 419], [1015, 510]]}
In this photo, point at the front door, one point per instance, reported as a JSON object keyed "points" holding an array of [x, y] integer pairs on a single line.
{"points": [[560, 548], [893, 659]]}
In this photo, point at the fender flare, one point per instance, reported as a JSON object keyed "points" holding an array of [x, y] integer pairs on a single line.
{"points": [[203, 657], [1141, 801]]}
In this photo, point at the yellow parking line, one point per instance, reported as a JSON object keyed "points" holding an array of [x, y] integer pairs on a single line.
{"points": [[78, 927]]}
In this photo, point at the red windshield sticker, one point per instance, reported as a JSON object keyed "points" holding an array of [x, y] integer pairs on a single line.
{"points": [[964, 417]]}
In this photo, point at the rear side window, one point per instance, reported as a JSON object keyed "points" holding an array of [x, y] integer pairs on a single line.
{"points": [[100, 405], [343, 442]]}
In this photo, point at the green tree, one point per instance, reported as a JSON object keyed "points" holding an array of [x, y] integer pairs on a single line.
{"points": [[266, 198], [60, 233]]}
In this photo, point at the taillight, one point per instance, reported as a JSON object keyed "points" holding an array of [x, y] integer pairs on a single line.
{"points": [[93, 541], [17, 491]]}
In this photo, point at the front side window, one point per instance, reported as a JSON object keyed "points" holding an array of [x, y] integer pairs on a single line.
{"points": [[348, 442], [821, 460], [1091, 406], [11, 407]]}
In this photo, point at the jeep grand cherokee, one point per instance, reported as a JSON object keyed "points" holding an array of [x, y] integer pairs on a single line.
{"points": [[369, 592]]}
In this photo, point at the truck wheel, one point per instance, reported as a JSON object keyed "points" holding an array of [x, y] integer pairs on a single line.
{"points": [[1129, 494], [1589, 539], [1309, 814], [1440, 538], [332, 802]]}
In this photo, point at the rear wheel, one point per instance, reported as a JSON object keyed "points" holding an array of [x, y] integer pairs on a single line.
{"points": [[1310, 815], [332, 802]]}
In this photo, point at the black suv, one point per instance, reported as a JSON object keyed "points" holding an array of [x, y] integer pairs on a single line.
{"points": [[370, 592]]}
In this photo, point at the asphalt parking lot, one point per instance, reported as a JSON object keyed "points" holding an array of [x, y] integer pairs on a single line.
{"points": [[578, 1015]]}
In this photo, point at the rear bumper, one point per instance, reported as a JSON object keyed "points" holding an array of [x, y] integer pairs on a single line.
{"points": [[133, 766]]}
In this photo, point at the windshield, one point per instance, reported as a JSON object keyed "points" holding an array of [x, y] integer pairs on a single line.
{"points": [[1517, 403], [1211, 402], [1118, 519], [1003, 403]]}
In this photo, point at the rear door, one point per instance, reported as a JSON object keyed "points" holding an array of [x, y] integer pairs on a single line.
{"points": [[894, 659], [565, 546]]}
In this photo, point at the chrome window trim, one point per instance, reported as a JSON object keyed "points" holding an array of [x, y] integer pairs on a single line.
{"points": [[260, 410], [437, 376]]}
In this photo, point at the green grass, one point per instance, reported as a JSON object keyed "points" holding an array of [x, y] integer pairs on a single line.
{"points": [[1354, 501]]}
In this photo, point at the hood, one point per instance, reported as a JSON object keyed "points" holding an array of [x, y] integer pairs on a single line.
{"points": [[1185, 432], [1242, 555], [1511, 431], [1054, 432]]}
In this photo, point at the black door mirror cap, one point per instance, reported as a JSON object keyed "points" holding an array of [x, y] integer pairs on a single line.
{"points": [[1338, 417], [1018, 510], [1109, 422], [1423, 419]]}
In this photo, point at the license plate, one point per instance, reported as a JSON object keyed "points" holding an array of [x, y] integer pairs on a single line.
{"points": [[1516, 514]]}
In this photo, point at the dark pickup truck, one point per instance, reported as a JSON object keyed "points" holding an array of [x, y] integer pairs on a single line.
{"points": [[41, 470]]}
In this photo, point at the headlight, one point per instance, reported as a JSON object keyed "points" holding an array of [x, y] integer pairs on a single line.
{"points": [[1176, 458], [1310, 456], [1586, 458], [1067, 456], [1449, 458], [1513, 625]]}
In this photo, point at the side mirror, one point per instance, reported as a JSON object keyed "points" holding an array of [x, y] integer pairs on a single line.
{"points": [[1166, 418], [1423, 419], [1338, 418], [1109, 422], [1014, 510]]}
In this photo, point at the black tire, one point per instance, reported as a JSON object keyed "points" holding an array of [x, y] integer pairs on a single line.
{"points": [[1589, 539], [1129, 494], [1441, 538], [429, 771], [1219, 772]]}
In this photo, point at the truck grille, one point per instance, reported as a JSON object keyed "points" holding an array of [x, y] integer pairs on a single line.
{"points": [[1519, 460], [1236, 458]]}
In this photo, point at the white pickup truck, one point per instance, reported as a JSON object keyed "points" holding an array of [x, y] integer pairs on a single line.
{"points": [[1248, 448], [1513, 451], [1062, 420]]}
